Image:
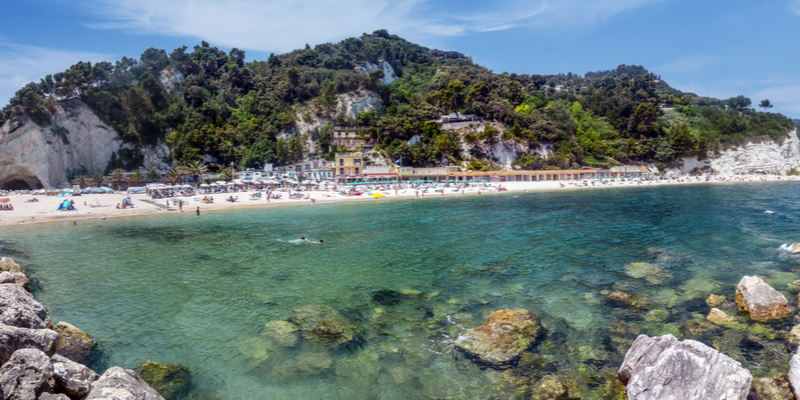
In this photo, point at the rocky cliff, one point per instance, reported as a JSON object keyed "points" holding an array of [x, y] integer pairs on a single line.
{"points": [[388, 72], [38, 153], [767, 156]]}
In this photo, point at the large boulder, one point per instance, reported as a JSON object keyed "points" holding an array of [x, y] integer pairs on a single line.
{"points": [[323, 323], [172, 381], [77, 345], [794, 371], [665, 368], [505, 335], [13, 339], [22, 376], [19, 308], [122, 384], [72, 378], [760, 300], [18, 273]]}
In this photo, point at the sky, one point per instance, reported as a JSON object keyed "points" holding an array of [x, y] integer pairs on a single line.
{"points": [[717, 48]]}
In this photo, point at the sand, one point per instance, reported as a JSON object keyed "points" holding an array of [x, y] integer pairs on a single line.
{"points": [[44, 211]]}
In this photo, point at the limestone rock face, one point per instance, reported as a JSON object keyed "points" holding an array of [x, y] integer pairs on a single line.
{"points": [[13, 339], [6, 277], [664, 368], [388, 72], [19, 308], [122, 384], [77, 345], [75, 141], [170, 78], [72, 378], [22, 376], [761, 300], [505, 335]]}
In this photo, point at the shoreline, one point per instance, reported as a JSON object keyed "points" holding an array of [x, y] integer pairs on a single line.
{"points": [[43, 212]]}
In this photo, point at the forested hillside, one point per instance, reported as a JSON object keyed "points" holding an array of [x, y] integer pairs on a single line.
{"points": [[233, 110]]}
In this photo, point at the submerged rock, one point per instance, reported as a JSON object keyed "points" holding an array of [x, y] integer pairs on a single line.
{"points": [[719, 317], [772, 389], [321, 322], [695, 329], [624, 298], [714, 300], [650, 272], [794, 335], [13, 339], [19, 308], [282, 333], [122, 384], [505, 335], [551, 387], [665, 368], [77, 345], [761, 300], [170, 380], [72, 378], [22, 376]]}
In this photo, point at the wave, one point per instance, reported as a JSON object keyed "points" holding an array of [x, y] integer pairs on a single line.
{"points": [[769, 212], [788, 248]]}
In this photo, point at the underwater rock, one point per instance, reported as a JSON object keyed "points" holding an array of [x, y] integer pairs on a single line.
{"points": [[665, 368], [77, 345], [321, 322], [72, 378], [122, 384], [22, 376], [714, 300], [794, 285], [719, 317], [13, 339], [656, 316], [694, 329], [777, 388], [314, 363], [627, 299], [761, 300], [505, 335], [794, 335], [283, 333], [551, 387], [650, 272], [19, 308], [170, 380]]}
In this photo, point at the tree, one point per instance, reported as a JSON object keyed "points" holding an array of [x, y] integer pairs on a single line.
{"points": [[738, 103], [175, 175], [117, 176], [82, 181], [153, 174], [98, 179], [137, 176], [682, 140], [765, 104], [195, 169]]}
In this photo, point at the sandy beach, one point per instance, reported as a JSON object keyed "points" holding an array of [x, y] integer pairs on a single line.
{"points": [[103, 206]]}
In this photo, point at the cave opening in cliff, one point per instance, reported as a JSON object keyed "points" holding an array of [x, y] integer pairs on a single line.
{"points": [[18, 184]]}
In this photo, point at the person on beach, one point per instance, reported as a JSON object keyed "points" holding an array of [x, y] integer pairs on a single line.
{"points": [[198, 211], [180, 206]]}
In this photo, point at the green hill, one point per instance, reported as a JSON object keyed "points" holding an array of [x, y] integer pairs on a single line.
{"points": [[234, 111]]}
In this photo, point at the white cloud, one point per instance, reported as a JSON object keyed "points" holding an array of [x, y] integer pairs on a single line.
{"points": [[282, 26], [20, 64], [794, 6], [687, 64]]}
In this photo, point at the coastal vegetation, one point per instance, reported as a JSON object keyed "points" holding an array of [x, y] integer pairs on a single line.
{"points": [[233, 111]]}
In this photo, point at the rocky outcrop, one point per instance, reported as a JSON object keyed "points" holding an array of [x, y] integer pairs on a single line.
{"points": [[77, 345], [719, 317], [24, 374], [170, 78], [759, 299], [505, 335], [122, 384], [794, 371], [358, 101], [388, 72], [665, 368], [19, 308], [72, 378], [13, 339], [767, 156], [75, 141]]}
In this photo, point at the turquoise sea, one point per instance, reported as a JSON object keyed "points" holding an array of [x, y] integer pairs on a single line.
{"points": [[408, 276]]}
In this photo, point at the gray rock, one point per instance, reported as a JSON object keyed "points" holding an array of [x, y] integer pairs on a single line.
{"points": [[51, 396], [13, 339], [794, 371], [19, 308], [21, 279], [6, 277], [761, 300], [72, 378], [77, 344], [22, 376], [7, 264], [122, 384], [665, 368]]}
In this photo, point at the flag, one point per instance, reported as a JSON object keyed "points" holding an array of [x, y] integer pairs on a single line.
{"points": [[400, 160]]}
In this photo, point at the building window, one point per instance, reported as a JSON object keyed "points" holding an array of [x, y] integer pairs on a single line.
{"points": [[356, 170], [341, 162], [341, 171]]}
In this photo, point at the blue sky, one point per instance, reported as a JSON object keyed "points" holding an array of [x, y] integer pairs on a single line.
{"points": [[714, 48]]}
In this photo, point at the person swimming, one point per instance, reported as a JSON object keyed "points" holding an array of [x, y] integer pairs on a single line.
{"points": [[303, 238]]}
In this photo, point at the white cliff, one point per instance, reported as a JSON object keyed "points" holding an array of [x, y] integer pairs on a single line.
{"points": [[76, 142], [358, 101], [767, 156], [170, 78], [388, 72]]}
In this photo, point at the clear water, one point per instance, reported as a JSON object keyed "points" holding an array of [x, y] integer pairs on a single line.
{"points": [[198, 291]]}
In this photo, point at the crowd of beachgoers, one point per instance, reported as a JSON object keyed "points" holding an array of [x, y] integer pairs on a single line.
{"points": [[33, 207]]}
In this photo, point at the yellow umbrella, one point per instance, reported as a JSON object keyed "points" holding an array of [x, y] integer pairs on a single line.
{"points": [[377, 195]]}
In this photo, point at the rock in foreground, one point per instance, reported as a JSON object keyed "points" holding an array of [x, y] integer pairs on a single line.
{"points": [[13, 339], [77, 344], [122, 384], [761, 300], [22, 376], [19, 308], [664, 368], [505, 335], [72, 378]]}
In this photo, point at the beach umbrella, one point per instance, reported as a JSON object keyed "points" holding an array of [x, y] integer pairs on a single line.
{"points": [[5, 200]]}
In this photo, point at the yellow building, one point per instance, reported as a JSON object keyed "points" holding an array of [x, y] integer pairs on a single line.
{"points": [[351, 163], [629, 171], [522, 175], [426, 174]]}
